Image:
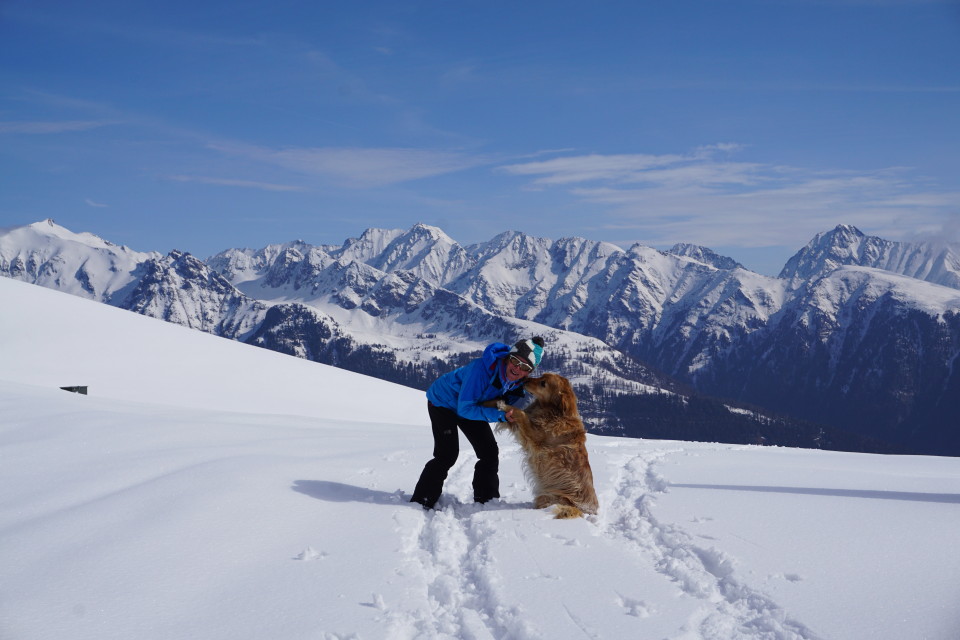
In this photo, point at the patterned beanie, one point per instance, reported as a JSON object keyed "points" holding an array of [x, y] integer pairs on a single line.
{"points": [[529, 350]]}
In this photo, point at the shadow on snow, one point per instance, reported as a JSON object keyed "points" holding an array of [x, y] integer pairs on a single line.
{"points": [[949, 498], [340, 492]]}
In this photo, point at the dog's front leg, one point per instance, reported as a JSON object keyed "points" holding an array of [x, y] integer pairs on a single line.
{"points": [[504, 425], [520, 418]]}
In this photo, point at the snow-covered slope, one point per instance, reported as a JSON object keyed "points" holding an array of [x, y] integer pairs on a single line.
{"points": [[209, 489], [54, 340]]}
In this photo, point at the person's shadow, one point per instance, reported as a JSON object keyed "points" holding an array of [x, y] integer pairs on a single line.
{"points": [[339, 492]]}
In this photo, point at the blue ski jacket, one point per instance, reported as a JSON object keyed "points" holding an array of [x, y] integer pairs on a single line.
{"points": [[462, 390]]}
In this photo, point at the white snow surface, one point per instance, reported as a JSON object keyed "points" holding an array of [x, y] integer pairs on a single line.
{"points": [[209, 489]]}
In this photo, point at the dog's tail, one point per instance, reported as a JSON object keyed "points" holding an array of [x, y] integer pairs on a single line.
{"points": [[564, 511]]}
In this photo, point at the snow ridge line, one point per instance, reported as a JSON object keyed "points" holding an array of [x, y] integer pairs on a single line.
{"points": [[734, 611], [452, 551]]}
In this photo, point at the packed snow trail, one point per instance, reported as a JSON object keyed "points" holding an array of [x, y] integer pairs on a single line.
{"points": [[731, 609], [448, 549], [467, 560]]}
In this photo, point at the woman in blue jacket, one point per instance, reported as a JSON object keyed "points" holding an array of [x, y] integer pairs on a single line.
{"points": [[454, 400]]}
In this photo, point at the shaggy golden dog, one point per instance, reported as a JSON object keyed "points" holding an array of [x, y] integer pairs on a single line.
{"points": [[554, 440]]}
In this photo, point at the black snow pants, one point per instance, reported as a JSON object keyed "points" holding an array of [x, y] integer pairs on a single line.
{"points": [[446, 449]]}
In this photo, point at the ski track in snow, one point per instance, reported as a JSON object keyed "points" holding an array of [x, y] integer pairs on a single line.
{"points": [[448, 553], [731, 610]]}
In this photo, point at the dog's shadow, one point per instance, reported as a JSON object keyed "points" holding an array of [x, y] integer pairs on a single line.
{"points": [[339, 492]]}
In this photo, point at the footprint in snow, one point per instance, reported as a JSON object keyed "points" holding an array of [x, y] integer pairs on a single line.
{"points": [[789, 577], [309, 554], [636, 608], [570, 542]]}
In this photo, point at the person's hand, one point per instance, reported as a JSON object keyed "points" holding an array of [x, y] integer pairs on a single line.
{"points": [[509, 415]]}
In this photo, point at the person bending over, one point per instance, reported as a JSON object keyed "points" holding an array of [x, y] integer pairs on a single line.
{"points": [[454, 400]]}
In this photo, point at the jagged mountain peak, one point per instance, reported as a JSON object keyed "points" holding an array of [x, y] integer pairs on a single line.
{"points": [[644, 253], [639, 248], [370, 244], [510, 255], [377, 239], [843, 237], [424, 250], [421, 236], [829, 250], [847, 229], [244, 264], [704, 255], [571, 250], [576, 242], [845, 245], [513, 239], [425, 230]]}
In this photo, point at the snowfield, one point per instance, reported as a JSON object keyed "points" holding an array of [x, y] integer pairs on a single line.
{"points": [[209, 489]]}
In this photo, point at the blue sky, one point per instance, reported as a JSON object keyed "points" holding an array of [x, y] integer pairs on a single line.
{"points": [[744, 126]]}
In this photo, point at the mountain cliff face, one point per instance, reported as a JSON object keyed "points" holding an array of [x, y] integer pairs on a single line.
{"points": [[181, 289], [857, 332]]}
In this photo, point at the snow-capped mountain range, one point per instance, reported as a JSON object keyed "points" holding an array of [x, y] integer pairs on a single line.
{"points": [[857, 332]]}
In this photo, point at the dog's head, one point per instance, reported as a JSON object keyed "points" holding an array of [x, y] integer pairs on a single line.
{"points": [[554, 391]]}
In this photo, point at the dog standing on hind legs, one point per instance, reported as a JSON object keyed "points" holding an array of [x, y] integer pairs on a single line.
{"points": [[553, 438]]}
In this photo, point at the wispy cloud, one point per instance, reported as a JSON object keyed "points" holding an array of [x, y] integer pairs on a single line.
{"points": [[360, 167], [95, 204], [226, 182], [43, 127], [698, 166], [708, 198], [595, 167]]}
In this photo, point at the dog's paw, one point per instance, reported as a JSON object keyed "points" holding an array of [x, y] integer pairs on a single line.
{"points": [[565, 511], [502, 406]]}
